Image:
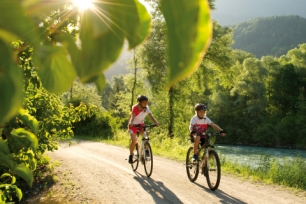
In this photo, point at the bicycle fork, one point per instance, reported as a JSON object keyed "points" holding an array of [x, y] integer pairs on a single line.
{"points": [[143, 148], [204, 164]]}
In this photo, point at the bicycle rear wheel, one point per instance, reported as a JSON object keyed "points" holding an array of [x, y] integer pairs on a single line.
{"points": [[148, 159], [192, 168], [212, 171], [135, 162]]}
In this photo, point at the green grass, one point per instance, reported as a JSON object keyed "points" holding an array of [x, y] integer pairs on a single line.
{"points": [[288, 173]]}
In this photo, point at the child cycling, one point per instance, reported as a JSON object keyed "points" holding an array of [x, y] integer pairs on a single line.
{"points": [[198, 125], [139, 112]]}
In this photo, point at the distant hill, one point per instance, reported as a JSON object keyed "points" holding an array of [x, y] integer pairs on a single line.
{"points": [[230, 12], [119, 67], [270, 35]]}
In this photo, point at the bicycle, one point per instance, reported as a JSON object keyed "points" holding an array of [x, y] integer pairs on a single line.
{"points": [[209, 163], [145, 155]]}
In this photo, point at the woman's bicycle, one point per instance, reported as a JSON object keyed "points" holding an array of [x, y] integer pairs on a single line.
{"points": [[143, 151], [209, 162]]}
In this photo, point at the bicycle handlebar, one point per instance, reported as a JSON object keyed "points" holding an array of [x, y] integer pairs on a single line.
{"points": [[145, 126], [209, 134]]}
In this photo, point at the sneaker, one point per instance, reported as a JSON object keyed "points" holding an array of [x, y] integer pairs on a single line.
{"points": [[195, 157], [131, 159]]}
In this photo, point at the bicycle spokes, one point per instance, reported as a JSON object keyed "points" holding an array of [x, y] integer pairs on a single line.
{"points": [[135, 162], [148, 159], [192, 168], [213, 170]]}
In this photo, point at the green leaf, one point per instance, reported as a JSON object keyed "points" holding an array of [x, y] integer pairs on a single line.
{"points": [[137, 22], [100, 83], [101, 46], [18, 192], [19, 23], [56, 71], [13, 180], [7, 160], [4, 147], [25, 173], [21, 138], [28, 120], [189, 31], [10, 85], [41, 8], [6, 175], [68, 42], [8, 36]]}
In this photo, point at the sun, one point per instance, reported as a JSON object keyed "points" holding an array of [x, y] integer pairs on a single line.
{"points": [[83, 4]]}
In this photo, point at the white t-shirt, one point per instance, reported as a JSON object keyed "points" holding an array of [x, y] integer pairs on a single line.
{"points": [[199, 124], [139, 115]]}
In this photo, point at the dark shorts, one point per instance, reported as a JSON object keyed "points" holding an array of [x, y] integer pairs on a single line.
{"points": [[202, 140]]}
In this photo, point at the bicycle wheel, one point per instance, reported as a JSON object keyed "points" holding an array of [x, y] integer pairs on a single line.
{"points": [[148, 159], [135, 162], [212, 171], [192, 168]]}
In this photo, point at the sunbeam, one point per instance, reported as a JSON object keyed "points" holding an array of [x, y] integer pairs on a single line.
{"points": [[83, 4]]}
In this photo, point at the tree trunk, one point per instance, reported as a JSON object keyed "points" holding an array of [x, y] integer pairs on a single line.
{"points": [[135, 79], [171, 113]]}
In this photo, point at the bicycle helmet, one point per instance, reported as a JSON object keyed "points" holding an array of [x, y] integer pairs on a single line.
{"points": [[141, 98], [200, 106]]}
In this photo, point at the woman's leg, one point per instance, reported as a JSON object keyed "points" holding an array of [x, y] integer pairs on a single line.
{"points": [[133, 143]]}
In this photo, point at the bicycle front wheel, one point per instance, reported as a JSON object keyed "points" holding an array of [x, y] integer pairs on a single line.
{"points": [[148, 159], [212, 170], [135, 162], [192, 168]]}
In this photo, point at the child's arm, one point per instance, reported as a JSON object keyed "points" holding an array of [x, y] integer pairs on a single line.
{"points": [[216, 127]]}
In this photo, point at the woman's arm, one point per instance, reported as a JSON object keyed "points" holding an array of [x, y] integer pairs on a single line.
{"points": [[153, 119], [131, 119]]}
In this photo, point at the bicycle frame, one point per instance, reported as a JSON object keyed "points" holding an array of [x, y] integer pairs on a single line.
{"points": [[144, 139], [206, 146], [144, 151], [209, 163]]}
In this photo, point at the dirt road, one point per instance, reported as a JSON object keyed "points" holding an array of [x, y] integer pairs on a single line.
{"points": [[99, 173]]}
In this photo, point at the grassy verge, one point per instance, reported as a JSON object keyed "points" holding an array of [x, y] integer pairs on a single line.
{"points": [[288, 173]]}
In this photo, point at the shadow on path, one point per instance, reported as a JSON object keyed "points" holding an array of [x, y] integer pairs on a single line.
{"points": [[157, 190], [224, 197]]}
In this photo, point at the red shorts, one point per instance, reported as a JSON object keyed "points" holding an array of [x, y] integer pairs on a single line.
{"points": [[133, 129]]}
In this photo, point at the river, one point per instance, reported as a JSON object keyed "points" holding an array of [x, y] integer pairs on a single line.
{"points": [[252, 156]]}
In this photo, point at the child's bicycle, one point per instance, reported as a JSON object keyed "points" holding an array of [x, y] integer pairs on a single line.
{"points": [[209, 162], [143, 151]]}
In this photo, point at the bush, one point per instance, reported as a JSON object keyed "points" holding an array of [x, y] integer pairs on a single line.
{"points": [[100, 124]]}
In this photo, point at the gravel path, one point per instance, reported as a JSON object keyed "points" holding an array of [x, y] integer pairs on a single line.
{"points": [[92, 172]]}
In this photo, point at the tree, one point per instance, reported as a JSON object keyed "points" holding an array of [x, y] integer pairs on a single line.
{"points": [[58, 59]]}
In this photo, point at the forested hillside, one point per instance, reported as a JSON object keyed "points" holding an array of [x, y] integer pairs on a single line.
{"points": [[237, 11], [270, 35]]}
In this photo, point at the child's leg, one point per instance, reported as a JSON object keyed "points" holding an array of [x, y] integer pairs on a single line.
{"points": [[196, 144]]}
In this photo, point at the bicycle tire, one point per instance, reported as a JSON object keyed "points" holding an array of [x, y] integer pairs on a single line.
{"points": [[213, 171], [135, 162], [148, 159], [192, 168]]}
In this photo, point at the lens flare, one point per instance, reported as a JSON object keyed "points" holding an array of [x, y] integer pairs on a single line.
{"points": [[83, 4]]}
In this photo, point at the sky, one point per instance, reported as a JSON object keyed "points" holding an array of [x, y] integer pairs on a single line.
{"points": [[229, 12]]}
